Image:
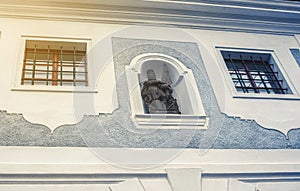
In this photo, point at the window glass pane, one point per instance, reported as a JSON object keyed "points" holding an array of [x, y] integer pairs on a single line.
{"points": [[255, 73], [55, 63]]}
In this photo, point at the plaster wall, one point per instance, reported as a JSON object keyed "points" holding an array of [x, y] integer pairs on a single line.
{"points": [[57, 108], [258, 157], [269, 111]]}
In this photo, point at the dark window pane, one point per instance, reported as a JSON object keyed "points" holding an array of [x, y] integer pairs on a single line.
{"points": [[253, 73]]}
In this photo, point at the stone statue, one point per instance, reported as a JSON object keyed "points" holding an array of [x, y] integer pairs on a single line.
{"points": [[157, 96]]}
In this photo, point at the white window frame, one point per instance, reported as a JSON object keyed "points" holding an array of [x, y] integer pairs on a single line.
{"points": [[230, 84], [16, 86]]}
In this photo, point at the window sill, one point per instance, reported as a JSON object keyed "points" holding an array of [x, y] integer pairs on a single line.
{"points": [[267, 96], [170, 121], [55, 89]]}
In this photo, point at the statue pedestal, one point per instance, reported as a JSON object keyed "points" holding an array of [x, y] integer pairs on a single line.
{"points": [[170, 121]]}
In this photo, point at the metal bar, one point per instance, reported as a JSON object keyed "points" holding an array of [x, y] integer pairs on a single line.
{"points": [[77, 65], [249, 75], [48, 62], [74, 68], [86, 70], [258, 80], [55, 68], [61, 66], [237, 72], [64, 71], [70, 52], [277, 83], [51, 80], [262, 88], [33, 66], [259, 74]]}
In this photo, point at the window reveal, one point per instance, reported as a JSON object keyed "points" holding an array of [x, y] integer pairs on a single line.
{"points": [[296, 54], [55, 63], [255, 73]]}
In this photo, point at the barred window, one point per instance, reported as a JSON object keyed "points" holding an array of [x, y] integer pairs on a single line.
{"points": [[255, 73], [55, 63]]}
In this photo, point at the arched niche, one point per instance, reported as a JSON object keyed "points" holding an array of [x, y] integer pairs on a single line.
{"points": [[184, 87]]}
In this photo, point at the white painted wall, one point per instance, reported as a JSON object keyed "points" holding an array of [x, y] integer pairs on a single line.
{"points": [[49, 168], [57, 108], [279, 113]]}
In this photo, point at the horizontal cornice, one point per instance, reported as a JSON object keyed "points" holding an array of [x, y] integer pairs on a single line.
{"points": [[273, 16]]}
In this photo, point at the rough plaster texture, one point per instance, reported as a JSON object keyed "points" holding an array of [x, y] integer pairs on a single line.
{"points": [[117, 130]]}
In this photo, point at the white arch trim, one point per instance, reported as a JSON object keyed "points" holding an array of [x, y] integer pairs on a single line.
{"points": [[194, 116]]}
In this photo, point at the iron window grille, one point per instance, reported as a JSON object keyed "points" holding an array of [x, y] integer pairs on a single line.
{"points": [[255, 73], [55, 63]]}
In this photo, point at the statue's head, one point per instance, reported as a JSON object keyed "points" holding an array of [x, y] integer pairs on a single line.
{"points": [[151, 74]]}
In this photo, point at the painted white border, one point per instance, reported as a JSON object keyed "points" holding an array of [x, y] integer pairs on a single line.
{"points": [[230, 85], [17, 159], [94, 11], [16, 82], [196, 169]]}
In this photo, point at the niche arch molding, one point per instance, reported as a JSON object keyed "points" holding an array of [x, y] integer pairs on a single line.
{"points": [[185, 90]]}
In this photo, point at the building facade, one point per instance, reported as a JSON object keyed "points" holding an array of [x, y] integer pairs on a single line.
{"points": [[150, 95]]}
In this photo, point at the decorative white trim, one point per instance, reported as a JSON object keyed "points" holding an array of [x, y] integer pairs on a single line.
{"points": [[219, 15], [297, 36], [266, 96], [185, 178], [236, 185], [94, 160], [170, 121], [80, 166], [128, 185], [193, 115], [36, 88]]}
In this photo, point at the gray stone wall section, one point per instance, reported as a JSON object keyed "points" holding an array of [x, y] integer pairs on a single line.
{"points": [[116, 130]]}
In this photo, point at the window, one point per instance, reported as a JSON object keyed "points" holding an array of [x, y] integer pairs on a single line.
{"points": [[296, 54], [254, 72], [54, 63]]}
